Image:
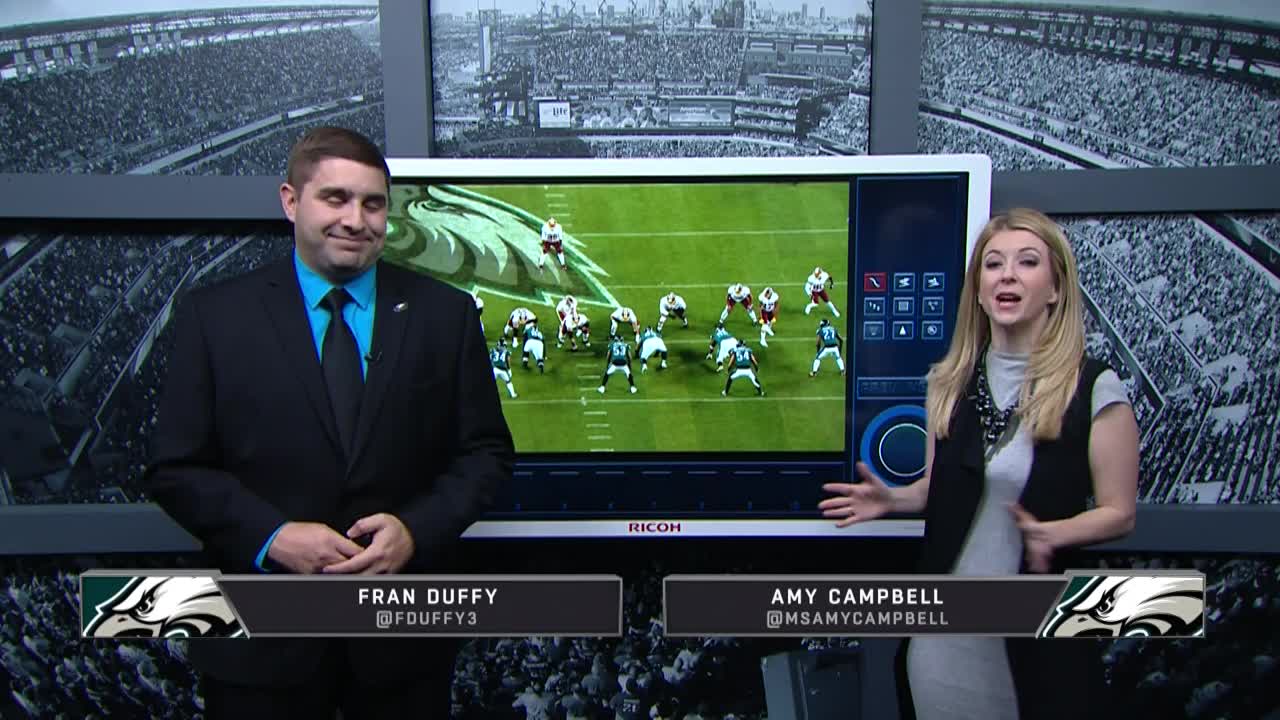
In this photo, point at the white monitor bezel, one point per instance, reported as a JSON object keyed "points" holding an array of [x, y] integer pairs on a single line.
{"points": [[831, 168]]}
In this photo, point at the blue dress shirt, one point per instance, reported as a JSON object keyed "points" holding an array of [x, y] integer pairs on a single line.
{"points": [[359, 317]]}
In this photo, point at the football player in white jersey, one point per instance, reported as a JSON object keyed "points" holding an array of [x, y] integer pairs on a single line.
{"points": [[517, 320], [575, 326], [624, 316], [738, 294], [816, 286], [671, 304], [552, 242], [566, 306], [768, 314], [479, 310]]}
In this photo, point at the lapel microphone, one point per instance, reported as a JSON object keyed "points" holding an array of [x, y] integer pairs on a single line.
{"points": [[373, 358]]}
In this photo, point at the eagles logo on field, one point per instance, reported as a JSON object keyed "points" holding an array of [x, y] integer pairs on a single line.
{"points": [[1129, 606], [164, 607], [476, 242]]}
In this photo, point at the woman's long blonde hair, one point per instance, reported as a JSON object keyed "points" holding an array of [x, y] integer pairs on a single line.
{"points": [[1054, 368]]}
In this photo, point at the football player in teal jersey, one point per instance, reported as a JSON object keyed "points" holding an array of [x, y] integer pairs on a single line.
{"points": [[500, 357], [744, 365], [535, 345], [651, 343], [722, 343], [829, 344], [618, 359]]}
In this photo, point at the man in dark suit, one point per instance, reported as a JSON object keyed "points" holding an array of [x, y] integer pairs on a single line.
{"points": [[329, 414]]}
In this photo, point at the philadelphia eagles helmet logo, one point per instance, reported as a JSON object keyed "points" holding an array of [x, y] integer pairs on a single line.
{"points": [[477, 242], [163, 607], [1129, 606]]}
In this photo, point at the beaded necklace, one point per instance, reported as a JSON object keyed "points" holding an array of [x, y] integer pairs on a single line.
{"points": [[994, 420]]}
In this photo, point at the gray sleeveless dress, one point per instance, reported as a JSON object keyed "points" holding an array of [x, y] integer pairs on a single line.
{"points": [[968, 677]]}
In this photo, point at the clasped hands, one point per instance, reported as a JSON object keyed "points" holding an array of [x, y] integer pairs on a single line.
{"points": [[311, 547]]}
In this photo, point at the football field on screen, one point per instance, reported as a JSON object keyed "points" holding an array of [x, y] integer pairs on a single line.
{"points": [[630, 245]]}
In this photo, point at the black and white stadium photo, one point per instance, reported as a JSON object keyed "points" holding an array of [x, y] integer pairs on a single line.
{"points": [[182, 87], [1184, 307], [650, 78], [1102, 83]]}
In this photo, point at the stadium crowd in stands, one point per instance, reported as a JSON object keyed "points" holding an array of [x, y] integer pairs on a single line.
{"points": [[1211, 350], [641, 675], [939, 135], [137, 109], [1120, 109], [47, 670], [1266, 226], [626, 80], [95, 299], [691, 146], [1230, 673], [266, 154], [600, 55], [848, 125]]}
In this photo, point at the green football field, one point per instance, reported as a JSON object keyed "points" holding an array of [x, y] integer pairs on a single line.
{"points": [[631, 245]]}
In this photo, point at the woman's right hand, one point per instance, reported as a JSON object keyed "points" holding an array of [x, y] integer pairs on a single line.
{"points": [[857, 502]]}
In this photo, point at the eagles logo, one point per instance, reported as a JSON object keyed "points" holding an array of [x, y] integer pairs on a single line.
{"points": [[165, 607], [476, 242], [1129, 606]]}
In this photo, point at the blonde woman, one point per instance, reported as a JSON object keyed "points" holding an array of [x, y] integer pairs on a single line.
{"points": [[1032, 451]]}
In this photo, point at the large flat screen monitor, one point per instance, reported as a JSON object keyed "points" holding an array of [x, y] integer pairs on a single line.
{"points": [[698, 270]]}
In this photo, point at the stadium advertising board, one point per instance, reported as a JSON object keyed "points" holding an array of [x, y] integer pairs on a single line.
{"points": [[700, 113], [554, 114]]}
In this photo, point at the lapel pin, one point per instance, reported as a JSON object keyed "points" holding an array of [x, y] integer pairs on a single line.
{"points": [[400, 307]]}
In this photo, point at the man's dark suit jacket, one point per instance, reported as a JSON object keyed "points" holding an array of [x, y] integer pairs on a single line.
{"points": [[246, 441]]}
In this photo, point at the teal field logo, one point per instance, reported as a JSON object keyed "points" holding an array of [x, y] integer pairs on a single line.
{"points": [[1129, 606], [480, 243], [156, 607]]}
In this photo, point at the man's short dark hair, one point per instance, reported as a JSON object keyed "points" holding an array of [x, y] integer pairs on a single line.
{"points": [[331, 142]]}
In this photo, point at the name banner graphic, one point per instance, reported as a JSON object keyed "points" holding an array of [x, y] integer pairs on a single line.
{"points": [[205, 603], [1076, 605]]}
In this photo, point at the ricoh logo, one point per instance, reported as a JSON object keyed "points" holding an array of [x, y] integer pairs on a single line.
{"points": [[653, 528]]}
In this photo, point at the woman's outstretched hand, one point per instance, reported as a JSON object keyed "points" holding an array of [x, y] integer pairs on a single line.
{"points": [[857, 502]]}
